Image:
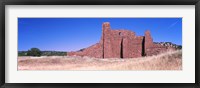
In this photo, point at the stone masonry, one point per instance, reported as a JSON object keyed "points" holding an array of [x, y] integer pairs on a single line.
{"points": [[122, 44]]}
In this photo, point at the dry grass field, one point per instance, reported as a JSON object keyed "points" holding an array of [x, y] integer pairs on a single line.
{"points": [[171, 60]]}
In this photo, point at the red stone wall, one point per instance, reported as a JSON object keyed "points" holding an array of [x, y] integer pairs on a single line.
{"points": [[107, 41], [92, 51], [121, 44], [148, 43]]}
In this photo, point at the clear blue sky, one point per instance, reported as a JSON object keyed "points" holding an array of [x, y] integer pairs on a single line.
{"points": [[71, 34]]}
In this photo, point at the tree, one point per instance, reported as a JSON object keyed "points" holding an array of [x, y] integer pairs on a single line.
{"points": [[34, 52]]}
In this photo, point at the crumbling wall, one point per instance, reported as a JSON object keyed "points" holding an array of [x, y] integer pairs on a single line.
{"points": [[152, 48], [92, 51], [122, 44]]}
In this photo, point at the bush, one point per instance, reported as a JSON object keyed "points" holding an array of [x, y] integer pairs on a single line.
{"points": [[34, 52], [22, 53]]}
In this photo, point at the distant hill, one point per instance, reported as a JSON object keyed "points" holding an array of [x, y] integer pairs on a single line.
{"points": [[169, 44]]}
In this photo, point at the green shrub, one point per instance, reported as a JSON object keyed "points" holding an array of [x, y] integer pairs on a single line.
{"points": [[34, 52]]}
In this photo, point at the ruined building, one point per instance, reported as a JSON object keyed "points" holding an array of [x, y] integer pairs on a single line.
{"points": [[122, 44]]}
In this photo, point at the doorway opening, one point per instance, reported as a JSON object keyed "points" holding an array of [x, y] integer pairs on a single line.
{"points": [[121, 49]]}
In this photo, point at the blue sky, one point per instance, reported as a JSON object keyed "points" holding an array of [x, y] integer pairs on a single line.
{"points": [[71, 34]]}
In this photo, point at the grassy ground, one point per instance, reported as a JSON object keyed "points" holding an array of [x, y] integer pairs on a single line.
{"points": [[171, 60]]}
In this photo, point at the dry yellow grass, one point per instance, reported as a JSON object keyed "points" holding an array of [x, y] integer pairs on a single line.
{"points": [[171, 60]]}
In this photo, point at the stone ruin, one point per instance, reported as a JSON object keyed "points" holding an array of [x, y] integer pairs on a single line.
{"points": [[122, 44]]}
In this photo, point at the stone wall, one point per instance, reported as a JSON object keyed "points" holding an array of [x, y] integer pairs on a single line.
{"points": [[92, 51], [122, 44]]}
